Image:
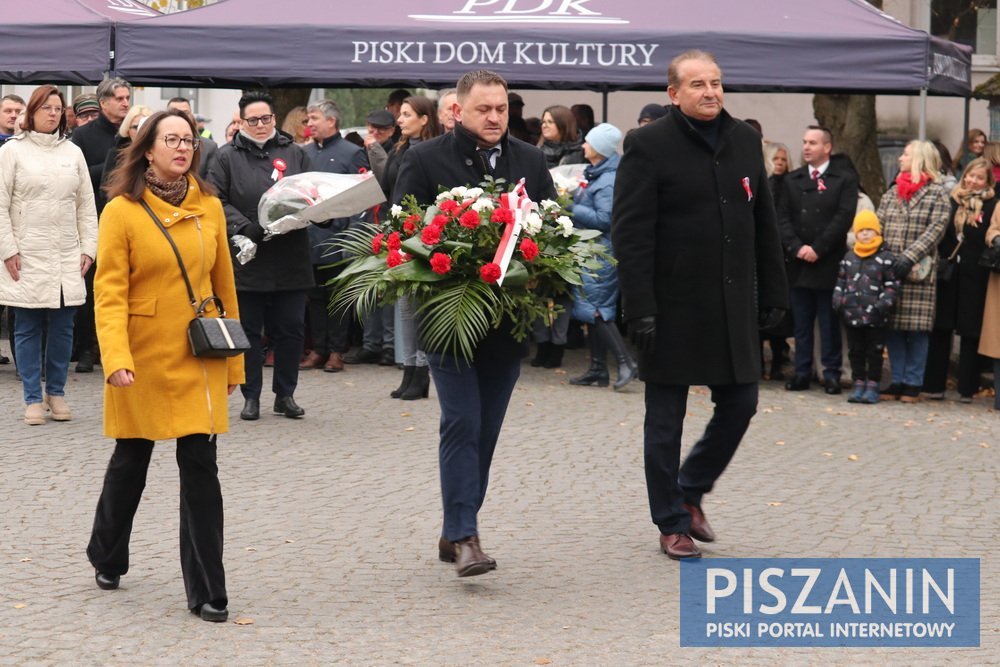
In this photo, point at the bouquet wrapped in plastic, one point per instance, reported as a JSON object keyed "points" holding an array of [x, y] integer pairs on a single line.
{"points": [[567, 178], [314, 196]]}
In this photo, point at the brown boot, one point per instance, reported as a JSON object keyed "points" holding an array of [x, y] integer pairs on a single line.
{"points": [[470, 559], [311, 361], [59, 408]]}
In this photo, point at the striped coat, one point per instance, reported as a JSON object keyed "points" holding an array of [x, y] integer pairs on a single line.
{"points": [[912, 230]]}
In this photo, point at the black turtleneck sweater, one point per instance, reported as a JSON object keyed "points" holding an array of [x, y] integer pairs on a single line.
{"points": [[708, 129]]}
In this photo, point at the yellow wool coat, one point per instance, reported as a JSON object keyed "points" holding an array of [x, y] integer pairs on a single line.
{"points": [[142, 312]]}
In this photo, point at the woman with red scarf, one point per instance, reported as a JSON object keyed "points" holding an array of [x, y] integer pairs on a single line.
{"points": [[914, 214]]}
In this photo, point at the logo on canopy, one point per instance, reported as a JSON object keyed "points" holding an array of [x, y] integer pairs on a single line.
{"points": [[118, 8], [523, 11]]}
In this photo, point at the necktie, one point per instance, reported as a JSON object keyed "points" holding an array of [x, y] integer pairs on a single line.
{"points": [[815, 174], [486, 156]]}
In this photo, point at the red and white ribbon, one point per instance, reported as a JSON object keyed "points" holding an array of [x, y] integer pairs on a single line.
{"points": [[520, 204], [279, 169]]}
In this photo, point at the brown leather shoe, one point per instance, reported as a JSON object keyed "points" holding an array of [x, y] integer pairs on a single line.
{"points": [[335, 363], [446, 551], [311, 361], [470, 559], [678, 546], [700, 530]]}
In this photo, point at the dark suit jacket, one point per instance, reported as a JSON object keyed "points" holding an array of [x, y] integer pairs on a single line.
{"points": [[807, 216], [694, 233]]}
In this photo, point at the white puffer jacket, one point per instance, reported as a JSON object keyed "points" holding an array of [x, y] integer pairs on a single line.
{"points": [[48, 216]]}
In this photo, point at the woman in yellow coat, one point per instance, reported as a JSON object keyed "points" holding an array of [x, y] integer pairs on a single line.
{"points": [[156, 388]]}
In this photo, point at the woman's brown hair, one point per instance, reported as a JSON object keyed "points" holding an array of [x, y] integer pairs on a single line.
{"points": [[38, 99], [128, 178], [565, 122], [421, 106]]}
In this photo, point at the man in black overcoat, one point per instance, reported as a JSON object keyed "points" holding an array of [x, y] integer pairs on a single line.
{"points": [[473, 396], [700, 269], [815, 213]]}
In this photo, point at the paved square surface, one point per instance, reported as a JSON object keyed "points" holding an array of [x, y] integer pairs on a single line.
{"points": [[332, 523]]}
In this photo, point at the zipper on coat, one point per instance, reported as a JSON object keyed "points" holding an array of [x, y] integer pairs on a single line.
{"points": [[204, 371]]}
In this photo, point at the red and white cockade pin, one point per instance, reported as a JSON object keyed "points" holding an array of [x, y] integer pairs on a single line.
{"points": [[746, 187], [279, 169], [820, 185]]}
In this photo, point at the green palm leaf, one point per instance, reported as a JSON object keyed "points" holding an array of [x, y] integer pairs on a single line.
{"points": [[457, 317]]}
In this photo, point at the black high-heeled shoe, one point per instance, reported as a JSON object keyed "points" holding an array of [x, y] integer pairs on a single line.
{"points": [[212, 613], [107, 582]]}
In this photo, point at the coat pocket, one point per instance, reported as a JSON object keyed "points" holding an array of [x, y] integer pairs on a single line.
{"points": [[142, 305]]}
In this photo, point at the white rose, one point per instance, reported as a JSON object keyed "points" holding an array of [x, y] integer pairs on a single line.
{"points": [[482, 204], [566, 224], [444, 195], [459, 192], [550, 205], [396, 210], [532, 224], [473, 193]]}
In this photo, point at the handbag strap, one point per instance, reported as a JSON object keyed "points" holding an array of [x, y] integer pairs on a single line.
{"points": [[199, 308]]}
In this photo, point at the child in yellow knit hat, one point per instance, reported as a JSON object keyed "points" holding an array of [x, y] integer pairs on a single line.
{"points": [[864, 296]]}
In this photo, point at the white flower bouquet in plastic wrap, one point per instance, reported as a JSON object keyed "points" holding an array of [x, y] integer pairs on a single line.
{"points": [[297, 201], [567, 178]]}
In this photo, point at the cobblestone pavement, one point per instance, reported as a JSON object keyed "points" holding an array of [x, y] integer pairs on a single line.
{"points": [[332, 524]]}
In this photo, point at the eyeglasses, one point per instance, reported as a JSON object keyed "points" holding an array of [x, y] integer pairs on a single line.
{"points": [[88, 114], [266, 119], [173, 141], [48, 108]]}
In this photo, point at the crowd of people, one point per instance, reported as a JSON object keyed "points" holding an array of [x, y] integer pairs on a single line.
{"points": [[906, 276]]}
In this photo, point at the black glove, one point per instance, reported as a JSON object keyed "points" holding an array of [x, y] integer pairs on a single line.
{"points": [[642, 333], [996, 243], [902, 267], [254, 232], [768, 318]]}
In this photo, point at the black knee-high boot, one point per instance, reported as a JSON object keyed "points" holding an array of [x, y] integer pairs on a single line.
{"points": [[598, 371], [628, 370]]}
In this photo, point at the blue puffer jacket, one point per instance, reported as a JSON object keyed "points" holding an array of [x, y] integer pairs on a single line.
{"points": [[592, 210]]}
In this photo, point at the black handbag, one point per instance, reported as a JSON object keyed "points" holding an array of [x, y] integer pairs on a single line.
{"points": [[209, 336], [990, 259]]}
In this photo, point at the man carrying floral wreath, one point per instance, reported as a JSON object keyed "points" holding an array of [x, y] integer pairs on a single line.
{"points": [[473, 393]]}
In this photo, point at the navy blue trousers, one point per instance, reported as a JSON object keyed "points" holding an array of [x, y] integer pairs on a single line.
{"points": [[473, 399], [669, 484], [808, 306]]}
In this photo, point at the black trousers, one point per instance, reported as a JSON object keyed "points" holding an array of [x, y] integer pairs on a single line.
{"points": [[669, 484], [970, 363], [201, 516], [864, 350], [283, 314], [84, 327], [329, 330]]}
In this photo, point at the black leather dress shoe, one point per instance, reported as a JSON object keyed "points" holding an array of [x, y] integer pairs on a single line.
{"points": [[286, 405], [797, 383], [107, 582], [210, 612], [251, 409], [832, 387]]}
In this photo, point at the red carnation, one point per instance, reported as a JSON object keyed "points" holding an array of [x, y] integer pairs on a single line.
{"points": [[502, 216], [449, 206], [393, 241], [393, 258], [409, 228], [490, 273], [529, 249], [440, 221], [377, 243], [440, 263], [430, 235], [469, 219]]}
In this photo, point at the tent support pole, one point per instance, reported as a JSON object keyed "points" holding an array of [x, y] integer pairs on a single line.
{"points": [[604, 105], [922, 135], [968, 109]]}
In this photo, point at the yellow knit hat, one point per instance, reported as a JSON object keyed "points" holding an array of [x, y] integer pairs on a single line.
{"points": [[867, 220]]}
